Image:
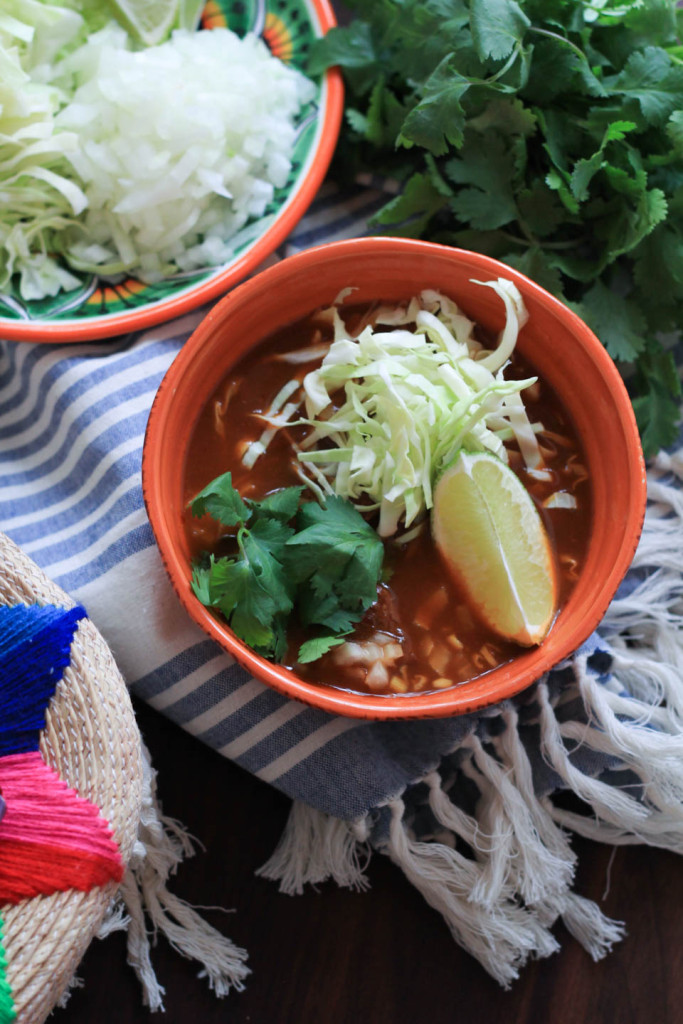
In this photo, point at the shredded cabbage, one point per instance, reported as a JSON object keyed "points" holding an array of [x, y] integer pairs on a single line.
{"points": [[399, 404], [120, 160]]}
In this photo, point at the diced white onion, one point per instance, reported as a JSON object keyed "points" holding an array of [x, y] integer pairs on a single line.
{"points": [[166, 155], [560, 499]]}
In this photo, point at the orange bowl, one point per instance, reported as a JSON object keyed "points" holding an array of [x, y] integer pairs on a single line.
{"points": [[560, 347]]}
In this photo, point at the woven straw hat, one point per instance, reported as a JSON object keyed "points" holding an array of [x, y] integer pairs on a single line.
{"points": [[92, 741]]}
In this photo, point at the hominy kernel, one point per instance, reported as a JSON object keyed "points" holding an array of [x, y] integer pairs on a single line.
{"points": [[398, 685]]}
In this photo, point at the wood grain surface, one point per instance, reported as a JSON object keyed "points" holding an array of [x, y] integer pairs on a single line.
{"points": [[379, 957]]}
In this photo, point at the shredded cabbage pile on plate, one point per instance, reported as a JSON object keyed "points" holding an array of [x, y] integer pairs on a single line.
{"points": [[122, 160]]}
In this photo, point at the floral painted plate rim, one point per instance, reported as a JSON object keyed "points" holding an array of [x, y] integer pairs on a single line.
{"points": [[287, 26]]}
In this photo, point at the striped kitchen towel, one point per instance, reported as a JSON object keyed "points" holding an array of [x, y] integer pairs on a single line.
{"points": [[465, 805]]}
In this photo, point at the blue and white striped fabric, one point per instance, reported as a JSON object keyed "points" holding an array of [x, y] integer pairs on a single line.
{"points": [[72, 423]]}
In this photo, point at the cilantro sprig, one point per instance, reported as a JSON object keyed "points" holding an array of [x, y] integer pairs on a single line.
{"points": [[319, 563], [548, 134]]}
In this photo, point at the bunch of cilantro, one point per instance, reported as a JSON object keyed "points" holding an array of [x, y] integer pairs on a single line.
{"points": [[320, 564], [548, 134]]}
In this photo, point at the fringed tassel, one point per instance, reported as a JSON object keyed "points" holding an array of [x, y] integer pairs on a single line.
{"points": [[513, 754], [74, 984], [495, 837], [501, 896], [501, 936], [644, 623], [161, 846], [586, 922], [531, 867], [591, 827], [611, 804], [654, 756], [476, 873], [655, 682], [315, 847]]}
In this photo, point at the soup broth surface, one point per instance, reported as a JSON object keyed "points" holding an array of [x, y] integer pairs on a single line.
{"points": [[419, 605]]}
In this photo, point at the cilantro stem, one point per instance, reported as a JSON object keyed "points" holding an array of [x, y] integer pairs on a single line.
{"points": [[560, 39], [675, 53], [571, 244], [516, 239], [532, 240], [506, 66], [241, 534]]}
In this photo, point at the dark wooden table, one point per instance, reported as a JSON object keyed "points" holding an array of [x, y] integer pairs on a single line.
{"points": [[380, 957]]}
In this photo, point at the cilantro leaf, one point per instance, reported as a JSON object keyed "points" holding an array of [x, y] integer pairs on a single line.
{"points": [[336, 558], [630, 226], [438, 118], [539, 209], [351, 47], [487, 164], [325, 561], [556, 182], [229, 585], [281, 505], [617, 322], [660, 367], [583, 173], [658, 264], [382, 122], [674, 129], [658, 417], [506, 115], [553, 70], [201, 583], [585, 103], [497, 25], [328, 613], [336, 511], [265, 640], [650, 78], [409, 212], [314, 648], [221, 501], [538, 266], [232, 584], [618, 130], [262, 548], [585, 170], [627, 184]]}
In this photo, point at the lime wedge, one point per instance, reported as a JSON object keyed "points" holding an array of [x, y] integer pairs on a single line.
{"points": [[487, 528], [189, 13], [149, 21]]}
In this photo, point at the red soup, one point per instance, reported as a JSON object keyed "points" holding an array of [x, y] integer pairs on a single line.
{"points": [[420, 635]]}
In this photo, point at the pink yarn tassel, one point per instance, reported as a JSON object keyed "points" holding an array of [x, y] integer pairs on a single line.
{"points": [[51, 839]]}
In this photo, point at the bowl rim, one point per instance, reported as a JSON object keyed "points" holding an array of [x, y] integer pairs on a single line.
{"points": [[492, 687], [112, 324]]}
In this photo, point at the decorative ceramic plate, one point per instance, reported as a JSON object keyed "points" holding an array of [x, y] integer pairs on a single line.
{"points": [[100, 309]]}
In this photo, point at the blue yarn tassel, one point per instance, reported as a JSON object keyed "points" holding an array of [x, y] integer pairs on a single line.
{"points": [[35, 648]]}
